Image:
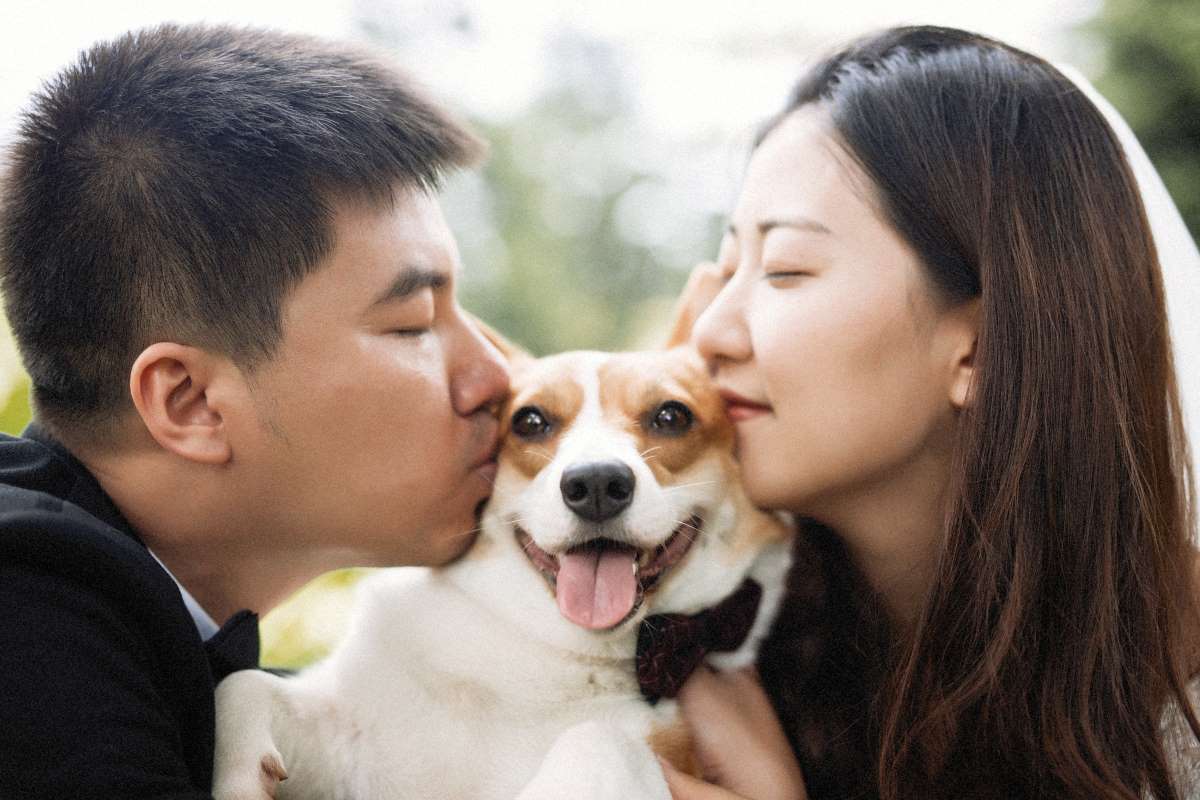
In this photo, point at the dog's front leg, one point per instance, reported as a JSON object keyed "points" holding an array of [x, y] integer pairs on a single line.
{"points": [[597, 760], [247, 765]]}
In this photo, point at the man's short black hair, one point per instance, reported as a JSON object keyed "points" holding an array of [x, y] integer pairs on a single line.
{"points": [[174, 184]]}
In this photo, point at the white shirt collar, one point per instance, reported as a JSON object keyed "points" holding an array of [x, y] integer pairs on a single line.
{"points": [[205, 624]]}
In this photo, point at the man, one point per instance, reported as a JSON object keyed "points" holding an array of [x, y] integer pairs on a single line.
{"points": [[234, 293]]}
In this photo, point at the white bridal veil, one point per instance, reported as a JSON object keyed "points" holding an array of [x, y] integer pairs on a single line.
{"points": [[1180, 263]]}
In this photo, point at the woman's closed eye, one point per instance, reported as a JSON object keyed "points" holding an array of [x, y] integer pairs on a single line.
{"points": [[781, 272]]}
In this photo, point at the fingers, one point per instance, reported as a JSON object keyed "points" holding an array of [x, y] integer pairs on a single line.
{"points": [[685, 787], [709, 694], [737, 737]]}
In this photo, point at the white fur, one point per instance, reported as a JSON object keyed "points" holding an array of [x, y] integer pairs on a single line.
{"points": [[467, 682]]}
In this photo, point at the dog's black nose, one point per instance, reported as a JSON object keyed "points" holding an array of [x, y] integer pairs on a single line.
{"points": [[599, 490]]}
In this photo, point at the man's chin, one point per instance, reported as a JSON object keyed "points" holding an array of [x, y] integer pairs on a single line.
{"points": [[453, 543], [462, 545]]}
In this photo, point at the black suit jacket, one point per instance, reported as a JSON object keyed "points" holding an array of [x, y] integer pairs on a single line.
{"points": [[106, 690]]}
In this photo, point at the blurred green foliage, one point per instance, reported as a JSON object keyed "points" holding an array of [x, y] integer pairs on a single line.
{"points": [[549, 257], [1152, 76], [305, 628], [569, 282], [17, 411]]}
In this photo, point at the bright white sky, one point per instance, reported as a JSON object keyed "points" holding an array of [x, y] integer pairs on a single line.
{"points": [[694, 58]]}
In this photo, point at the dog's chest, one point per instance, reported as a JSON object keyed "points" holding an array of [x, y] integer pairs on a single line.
{"points": [[473, 745], [459, 701]]}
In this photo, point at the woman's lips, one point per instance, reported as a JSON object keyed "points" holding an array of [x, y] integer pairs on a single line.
{"points": [[740, 409]]}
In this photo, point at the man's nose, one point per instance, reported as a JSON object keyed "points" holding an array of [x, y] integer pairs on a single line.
{"points": [[481, 380]]}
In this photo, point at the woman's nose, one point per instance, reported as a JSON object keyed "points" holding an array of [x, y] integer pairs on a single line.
{"points": [[720, 332]]}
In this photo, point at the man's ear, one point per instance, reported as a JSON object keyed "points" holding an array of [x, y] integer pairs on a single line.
{"points": [[966, 342], [512, 353], [172, 388]]}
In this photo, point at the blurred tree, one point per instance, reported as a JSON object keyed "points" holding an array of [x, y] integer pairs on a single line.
{"points": [[1152, 75], [562, 232], [550, 260]]}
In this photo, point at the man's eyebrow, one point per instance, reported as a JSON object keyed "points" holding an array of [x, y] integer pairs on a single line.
{"points": [[411, 281], [797, 223]]}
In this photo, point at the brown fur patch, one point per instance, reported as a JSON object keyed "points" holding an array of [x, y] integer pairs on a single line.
{"points": [[633, 385], [673, 744], [550, 385]]}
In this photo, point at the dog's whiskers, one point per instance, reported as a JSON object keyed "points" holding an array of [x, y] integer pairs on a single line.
{"points": [[469, 533], [677, 487], [515, 518], [531, 451], [692, 531]]}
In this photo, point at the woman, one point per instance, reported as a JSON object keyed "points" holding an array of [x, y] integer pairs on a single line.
{"points": [[939, 325]]}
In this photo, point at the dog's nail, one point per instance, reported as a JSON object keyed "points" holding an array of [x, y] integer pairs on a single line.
{"points": [[273, 767]]}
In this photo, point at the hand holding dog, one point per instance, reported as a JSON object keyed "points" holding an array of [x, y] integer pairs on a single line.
{"points": [[738, 740]]}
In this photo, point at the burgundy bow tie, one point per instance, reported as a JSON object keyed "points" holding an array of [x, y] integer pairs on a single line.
{"points": [[671, 646]]}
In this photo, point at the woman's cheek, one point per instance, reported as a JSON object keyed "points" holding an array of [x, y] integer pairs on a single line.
{"points": [[781, 344]]}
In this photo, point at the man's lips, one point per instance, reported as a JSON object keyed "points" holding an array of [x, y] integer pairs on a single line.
{"points": [[490, 451], [486, 466], [739, 408], [488, 471]]}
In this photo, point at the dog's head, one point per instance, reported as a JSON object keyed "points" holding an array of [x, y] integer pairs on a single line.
{"points": [[617, 496]]}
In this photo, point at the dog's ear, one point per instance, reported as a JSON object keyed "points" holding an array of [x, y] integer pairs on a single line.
{"points": [[703, 285], [512, 353]]}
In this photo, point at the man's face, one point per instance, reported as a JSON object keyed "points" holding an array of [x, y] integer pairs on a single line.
{"points": [[375, 430]]}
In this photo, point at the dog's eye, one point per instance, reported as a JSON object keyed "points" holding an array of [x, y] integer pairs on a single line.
{"points": [[529, 423], [672, 418]]}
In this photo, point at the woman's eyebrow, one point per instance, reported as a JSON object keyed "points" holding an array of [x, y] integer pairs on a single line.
{"points": [[796, 223]]}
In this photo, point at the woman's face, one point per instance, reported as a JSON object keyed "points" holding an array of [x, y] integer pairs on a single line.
{"points": [[837, 363]]}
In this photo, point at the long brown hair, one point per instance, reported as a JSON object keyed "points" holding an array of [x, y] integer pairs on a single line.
{"points": [[1060, 626]]}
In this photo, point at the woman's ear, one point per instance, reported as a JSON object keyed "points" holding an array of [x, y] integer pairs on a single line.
{"points": [[965, 331], [172, 389]]}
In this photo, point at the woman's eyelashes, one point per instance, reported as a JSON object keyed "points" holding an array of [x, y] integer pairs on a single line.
{"points": [[776, 273]]}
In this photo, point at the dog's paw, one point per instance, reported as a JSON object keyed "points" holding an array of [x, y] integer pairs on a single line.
{"points": [[247, 763], [244, 782], [597, 760]]}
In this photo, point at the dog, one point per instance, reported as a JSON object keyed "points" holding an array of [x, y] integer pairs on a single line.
{"points": [[513, 672]]}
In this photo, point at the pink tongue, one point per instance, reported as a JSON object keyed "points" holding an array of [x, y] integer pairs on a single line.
{"points": [[596, 588]]}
